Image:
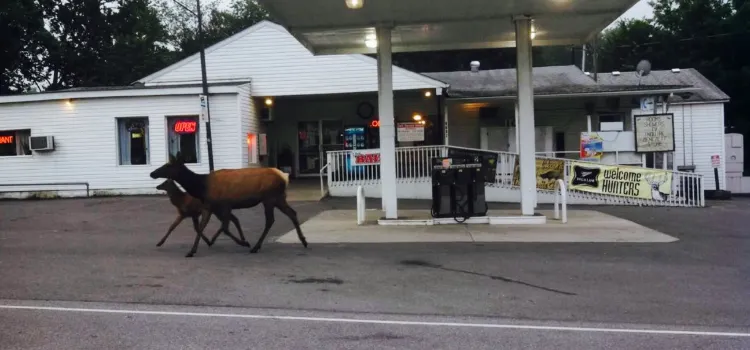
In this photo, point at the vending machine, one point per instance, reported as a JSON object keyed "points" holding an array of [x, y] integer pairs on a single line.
{"points": [[355, 138]]}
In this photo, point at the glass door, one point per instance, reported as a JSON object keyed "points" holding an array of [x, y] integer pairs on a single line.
{"points": [[332, 136], [308, 134]]}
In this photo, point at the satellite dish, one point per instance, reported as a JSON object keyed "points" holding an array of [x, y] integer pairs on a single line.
{"points": [[643, 68]]}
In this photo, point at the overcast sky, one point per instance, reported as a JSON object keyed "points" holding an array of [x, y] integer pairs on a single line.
{"points": [[640, 10]]}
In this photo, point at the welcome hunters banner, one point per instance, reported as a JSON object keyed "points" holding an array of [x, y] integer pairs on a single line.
{"points": [[621, 180]]}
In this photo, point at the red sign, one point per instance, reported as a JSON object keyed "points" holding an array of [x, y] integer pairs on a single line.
{"points": [[366, 158], [716, 161], [375, 123], [185, 126], [4, 140]]}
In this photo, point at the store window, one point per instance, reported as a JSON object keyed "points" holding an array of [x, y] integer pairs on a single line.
{"points": [[15, 143], [182, 136], [132, 142]]}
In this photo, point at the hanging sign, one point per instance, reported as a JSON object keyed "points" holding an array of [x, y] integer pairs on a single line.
{"points": [[548, 171], [185, 127], [654, 133], [366, 157], [204, 108], [410, 132], [621, 181], [592, 147]]}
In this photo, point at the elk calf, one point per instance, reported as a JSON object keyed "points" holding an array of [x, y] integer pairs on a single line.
{"points": [[227, 189], [189, 206]]}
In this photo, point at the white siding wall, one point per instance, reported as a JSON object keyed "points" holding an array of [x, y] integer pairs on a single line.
{"points": [[288, 112], [86, 141], [699, 134], [706, 137], [279, 66], [249, 122]]}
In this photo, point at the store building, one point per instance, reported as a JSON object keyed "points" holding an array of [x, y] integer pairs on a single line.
{"points": [[271, 103]]}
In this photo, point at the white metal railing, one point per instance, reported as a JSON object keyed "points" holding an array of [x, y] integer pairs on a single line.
{"points": [[322, 184], [413, 165]]}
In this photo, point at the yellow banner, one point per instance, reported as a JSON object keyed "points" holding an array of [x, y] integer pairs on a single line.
{"points": [[547, 172], [623, 181]]}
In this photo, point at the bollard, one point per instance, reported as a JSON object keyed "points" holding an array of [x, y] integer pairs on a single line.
{"points": [[360, 205]]}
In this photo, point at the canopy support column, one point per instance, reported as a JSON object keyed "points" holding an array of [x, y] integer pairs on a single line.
{"points": [[526, 135], [387, 128]]}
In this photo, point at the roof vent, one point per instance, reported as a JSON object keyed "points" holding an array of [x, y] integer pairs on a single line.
{"points": [[616, 73], [675, 70], [474, 66]]}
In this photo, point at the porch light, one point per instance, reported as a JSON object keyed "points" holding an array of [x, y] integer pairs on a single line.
{"points": [[427, 93], [417, 117], [355, 4], [269, 101]]}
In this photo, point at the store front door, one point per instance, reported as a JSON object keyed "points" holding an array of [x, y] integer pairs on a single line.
{"points": [[315, 138]]}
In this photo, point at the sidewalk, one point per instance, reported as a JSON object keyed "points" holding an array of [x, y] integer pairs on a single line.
{"points": [[340, 226]]}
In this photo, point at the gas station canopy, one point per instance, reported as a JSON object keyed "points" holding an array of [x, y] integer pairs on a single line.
{"points": [[332, 27]]}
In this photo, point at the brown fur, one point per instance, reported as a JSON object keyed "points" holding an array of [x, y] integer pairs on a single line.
{"points": [[237, 185], [189, 206], [227, 189]]}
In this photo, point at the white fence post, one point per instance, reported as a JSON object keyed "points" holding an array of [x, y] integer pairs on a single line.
{"points": [[562, 194], [360, 205]]}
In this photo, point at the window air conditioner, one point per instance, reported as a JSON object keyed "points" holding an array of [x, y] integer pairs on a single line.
{"points": [[42, 143]]}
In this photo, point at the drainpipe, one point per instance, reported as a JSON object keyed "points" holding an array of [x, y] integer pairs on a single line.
{"points": [[439, 137]]}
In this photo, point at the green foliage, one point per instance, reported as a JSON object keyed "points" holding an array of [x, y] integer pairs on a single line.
{"points": [[217, 24], [23, 40]]}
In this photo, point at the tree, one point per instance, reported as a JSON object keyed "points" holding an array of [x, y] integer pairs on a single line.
{"points": [[218, 24], [23, 45], [103, 42]]}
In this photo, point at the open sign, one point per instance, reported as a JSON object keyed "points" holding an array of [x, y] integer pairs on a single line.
{"points": [[185, 126]]}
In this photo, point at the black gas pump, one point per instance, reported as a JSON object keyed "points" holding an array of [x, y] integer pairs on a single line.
{"points": [[458, 187]]}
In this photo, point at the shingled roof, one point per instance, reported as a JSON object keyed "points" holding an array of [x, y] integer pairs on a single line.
{"points": [[565, 80]]}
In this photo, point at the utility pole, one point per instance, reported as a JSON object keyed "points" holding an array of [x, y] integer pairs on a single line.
{"points": [[204, 80]]}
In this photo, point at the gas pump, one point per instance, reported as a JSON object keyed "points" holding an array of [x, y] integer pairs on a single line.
{"points": [[458, 187]]}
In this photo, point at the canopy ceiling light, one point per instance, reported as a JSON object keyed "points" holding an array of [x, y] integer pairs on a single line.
{"points": [[355, 4], [371, 41]]}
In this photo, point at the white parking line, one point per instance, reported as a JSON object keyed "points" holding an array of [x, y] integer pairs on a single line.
{"points": [[376, 321]]}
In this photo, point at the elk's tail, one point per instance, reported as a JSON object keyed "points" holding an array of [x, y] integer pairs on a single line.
{"points": [[284, 176]]}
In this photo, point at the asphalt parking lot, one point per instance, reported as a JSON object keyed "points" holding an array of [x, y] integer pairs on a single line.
{"points": [[86, 274]]}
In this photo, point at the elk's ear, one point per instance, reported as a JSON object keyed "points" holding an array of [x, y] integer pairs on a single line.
{"points": [[172, 159], [178, 158]]}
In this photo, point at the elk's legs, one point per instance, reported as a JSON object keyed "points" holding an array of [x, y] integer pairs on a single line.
{"points": [[225, 216], [195, 226], [288, 211], [176, 222], [205, 217], [268, 207]]}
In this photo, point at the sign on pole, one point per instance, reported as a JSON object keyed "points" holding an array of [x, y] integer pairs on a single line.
{"points": [[716, 161], [410, 132], [204, 108], [654, 133]]}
